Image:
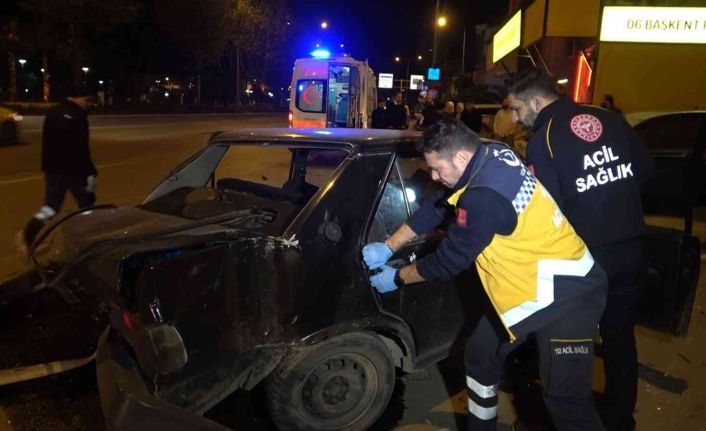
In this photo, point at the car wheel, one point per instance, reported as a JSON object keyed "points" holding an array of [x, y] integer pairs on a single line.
{"points": [[343, 383], [8, 133]]}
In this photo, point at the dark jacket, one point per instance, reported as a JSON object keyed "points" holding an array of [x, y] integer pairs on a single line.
{"points": [[509, 225], [379, 120], [65, 148], [431, 115], [396, 116], [593, 163], [472, 119]]}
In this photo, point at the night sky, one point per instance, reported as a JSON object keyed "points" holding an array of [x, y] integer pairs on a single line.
{"points": [[380, 30], [377, 30]]}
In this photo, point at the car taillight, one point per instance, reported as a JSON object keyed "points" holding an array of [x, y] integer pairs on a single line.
{"points": [[290, 118]]}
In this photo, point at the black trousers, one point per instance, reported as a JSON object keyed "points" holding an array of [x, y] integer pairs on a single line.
{"points": [[626, 266], [55, 188], [565, 360]]}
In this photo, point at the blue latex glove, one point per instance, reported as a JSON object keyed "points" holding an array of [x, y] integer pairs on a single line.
{"points": [[376, 254], [384, 281]]}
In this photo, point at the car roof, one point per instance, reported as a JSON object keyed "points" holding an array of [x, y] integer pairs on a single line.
{"points": [[361, 138], [635, 118]]}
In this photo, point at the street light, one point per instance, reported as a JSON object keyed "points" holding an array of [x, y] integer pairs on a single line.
{"points": [[22, 63], [324, 25], [85, 71], [441, 22], [397, 59], [419, 57]]}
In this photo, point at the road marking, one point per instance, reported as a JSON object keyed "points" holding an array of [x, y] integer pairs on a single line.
{"points": [[39, 177]]}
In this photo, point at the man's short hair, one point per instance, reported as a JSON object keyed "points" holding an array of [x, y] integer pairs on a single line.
{"points": [[448, 136], [534, 82]]}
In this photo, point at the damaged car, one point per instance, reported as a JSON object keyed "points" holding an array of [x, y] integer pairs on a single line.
{"points": [[243, 269]]}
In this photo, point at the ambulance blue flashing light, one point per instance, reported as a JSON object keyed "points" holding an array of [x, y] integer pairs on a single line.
{"points": [[320, 53]]}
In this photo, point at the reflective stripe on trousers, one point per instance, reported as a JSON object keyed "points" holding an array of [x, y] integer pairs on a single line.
{"points": [[485, 393]]}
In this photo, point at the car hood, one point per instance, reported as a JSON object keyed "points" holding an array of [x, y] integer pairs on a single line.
{"points": [[91, 232]]}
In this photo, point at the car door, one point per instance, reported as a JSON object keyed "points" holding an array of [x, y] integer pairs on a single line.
{"points": [[676, 143], [436, 310]]}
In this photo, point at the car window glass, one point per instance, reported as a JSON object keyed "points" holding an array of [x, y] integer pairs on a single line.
{"points": [[267, 165], [419, 186], [391, 211], [669, 132], [320, 164]]}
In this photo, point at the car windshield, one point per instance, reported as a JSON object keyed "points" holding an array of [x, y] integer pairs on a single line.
{"points": [[254, 186]]}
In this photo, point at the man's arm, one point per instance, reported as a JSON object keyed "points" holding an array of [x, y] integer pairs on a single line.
{"points": [[488, 214], [641, 158], [541, 163]]}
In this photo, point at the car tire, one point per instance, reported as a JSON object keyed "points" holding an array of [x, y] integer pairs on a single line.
{"points": [[8, 133], [344, 383]]}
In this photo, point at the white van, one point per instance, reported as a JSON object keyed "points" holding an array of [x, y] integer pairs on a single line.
{"points": [[332, 92]]}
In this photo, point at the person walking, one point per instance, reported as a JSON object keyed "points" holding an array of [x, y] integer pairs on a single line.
{"points": [[593, 164], [66, 161], [537, 272]]}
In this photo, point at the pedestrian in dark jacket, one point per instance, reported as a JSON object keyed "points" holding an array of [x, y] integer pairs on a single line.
{"points": [[593, 164], [396, 113], [379, 120], [66, 161]]}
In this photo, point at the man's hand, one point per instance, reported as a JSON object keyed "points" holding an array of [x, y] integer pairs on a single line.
{"points": [[385, 280], [91, 184], [376, 254]]}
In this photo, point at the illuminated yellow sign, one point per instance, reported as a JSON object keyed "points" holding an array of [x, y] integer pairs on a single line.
{"points": [[654, 24], [508, 37]]}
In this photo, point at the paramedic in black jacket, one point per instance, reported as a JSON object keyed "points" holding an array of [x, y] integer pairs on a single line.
{"points": [[66, 160], [593, 164]]}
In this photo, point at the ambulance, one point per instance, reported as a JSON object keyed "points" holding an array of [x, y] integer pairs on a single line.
{"points": [[332, 91]]}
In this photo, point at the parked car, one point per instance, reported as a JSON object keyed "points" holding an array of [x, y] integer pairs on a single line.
{"points": [[8, 126], [244, 268], [677, 141]]}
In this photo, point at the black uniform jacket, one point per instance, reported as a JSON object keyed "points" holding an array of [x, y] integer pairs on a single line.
{"points": [[593, 164]]}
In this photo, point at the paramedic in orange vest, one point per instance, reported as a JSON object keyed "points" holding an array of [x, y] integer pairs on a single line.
{"points": [[537, 272]]}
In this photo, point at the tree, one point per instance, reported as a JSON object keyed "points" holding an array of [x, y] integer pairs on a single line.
{"points": [[257, 34], [62, 26], [198, 28], [9, 40]]}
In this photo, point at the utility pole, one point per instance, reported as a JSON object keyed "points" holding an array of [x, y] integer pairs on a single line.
{"points": [[463, 51], [436, 31]]}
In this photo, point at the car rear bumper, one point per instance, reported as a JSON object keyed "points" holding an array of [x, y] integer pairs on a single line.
{"points": [[126, 401]]}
